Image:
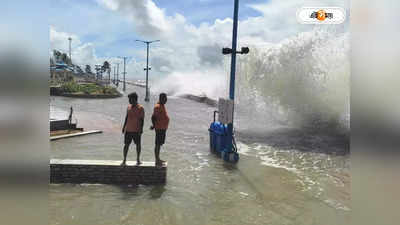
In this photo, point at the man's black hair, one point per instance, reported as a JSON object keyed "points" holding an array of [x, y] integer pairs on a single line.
{"points": [[132, 96], [163, 95]]}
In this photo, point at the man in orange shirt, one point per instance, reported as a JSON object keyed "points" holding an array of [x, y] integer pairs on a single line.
{"points": [[160, 122], [133, 126]]}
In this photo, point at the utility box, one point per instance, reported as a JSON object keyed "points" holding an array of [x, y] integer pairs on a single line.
{"points": [[225, 111]]}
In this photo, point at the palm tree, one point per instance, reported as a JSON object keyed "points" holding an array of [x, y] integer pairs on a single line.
{"points": [[57, 55], [106, 67], [64, 58], [88, 69]]}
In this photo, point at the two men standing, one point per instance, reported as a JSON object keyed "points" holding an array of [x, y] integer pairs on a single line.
{"points": [[133, 126]]}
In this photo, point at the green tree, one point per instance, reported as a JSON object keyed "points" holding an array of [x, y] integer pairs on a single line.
{"points": [[106, 68], [57, 55], [64, 57], [88, 69]]}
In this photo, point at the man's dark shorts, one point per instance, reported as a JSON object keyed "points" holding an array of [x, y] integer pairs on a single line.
{"points": [[160, 137], [135, 136]]}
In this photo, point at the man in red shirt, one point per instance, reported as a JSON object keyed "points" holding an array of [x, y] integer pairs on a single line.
{"points": [[133, 126], [160, 122]]}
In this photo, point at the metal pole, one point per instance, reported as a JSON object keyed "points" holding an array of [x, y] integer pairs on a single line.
{"points": [[147, 74], [118, 72], [70, 57], [109, 76], [124, 75], [147, 68], [233, 66], [233, 58]]}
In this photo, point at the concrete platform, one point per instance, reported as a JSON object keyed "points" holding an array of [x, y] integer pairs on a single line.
{"points": [[53, 138], [106, 172], [102, 162]]}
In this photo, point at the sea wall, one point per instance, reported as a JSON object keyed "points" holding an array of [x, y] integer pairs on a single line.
{"points": [[82, 95], [105, 172], [57, 91], [202, 99]]}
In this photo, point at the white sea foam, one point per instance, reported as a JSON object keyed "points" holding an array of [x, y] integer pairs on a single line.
{"points": [[210, 83]]}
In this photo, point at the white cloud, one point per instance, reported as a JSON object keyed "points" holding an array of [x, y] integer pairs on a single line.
{"points": [[59, 40], [187, 47], [85, 53], [146, 16], [82, 54]]}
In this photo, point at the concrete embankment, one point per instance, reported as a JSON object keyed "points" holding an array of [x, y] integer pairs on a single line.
{"points": [[202, 99], [134, 83], [106, 172], [89, 96], [57, 137], [56, 91]]}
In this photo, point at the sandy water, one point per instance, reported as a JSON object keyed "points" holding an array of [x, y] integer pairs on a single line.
{"points": [[284, 176]]}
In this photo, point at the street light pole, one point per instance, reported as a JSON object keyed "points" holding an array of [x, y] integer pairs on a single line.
{"points": [[228, 150], [233, 68], [124, 88], [114, 74], [117, 72], [147, 74], [70, 57], [147, 68]]}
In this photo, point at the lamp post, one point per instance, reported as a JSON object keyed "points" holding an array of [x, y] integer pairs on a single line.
{"points": [[124, 87], [124, 83], [70, 57], [147, 68], [117, 73], [113, 74], [232, 51]]}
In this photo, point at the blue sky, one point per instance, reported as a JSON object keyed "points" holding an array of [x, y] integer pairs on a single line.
{"points": [[198, 11]]}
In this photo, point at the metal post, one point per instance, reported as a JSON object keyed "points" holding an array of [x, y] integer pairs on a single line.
{"points": [[117, 72], [70, 57], [109, 76], [147, 74], [124, 88], [147, 68], [233, 67]]}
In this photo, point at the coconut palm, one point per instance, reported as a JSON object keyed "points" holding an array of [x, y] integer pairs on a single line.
{"points": [[106, 67], [88, 69]]}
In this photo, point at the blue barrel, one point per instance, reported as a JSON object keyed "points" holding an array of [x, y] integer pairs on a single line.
{"points": [[212, 136], [216, 136], [221, 135], [219, 142]]}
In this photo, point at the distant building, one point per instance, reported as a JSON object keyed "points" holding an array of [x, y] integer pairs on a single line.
{"points": [[61, 72]]}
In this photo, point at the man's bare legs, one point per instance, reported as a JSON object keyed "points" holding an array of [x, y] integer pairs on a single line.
{"points": [[126, 148], [157, 155], [138, 149]]}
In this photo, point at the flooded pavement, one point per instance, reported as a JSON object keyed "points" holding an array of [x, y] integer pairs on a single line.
{"points": [[283, 177]]}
